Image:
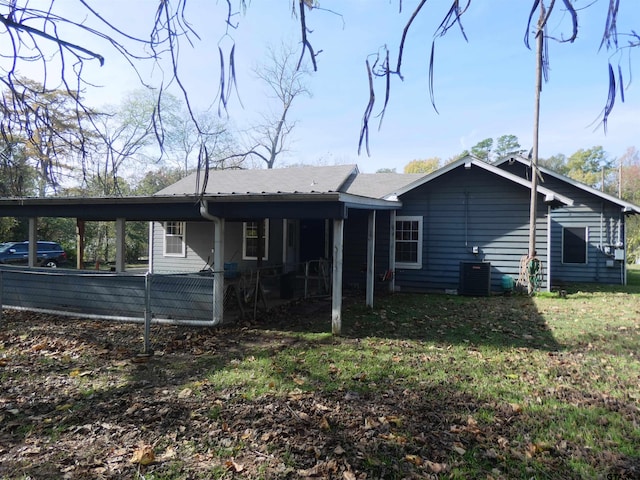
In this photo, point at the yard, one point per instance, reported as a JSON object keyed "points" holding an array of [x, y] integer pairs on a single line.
{"points": [[423, 386]]}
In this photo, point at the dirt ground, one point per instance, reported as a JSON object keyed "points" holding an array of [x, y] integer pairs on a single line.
{"points": [[77, 400]]}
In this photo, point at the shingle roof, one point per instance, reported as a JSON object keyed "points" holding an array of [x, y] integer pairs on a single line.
{"points": [[381, 185], [280, 180]]}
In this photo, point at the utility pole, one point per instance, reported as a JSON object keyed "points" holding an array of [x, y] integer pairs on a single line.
{"points": [[536, 131]]}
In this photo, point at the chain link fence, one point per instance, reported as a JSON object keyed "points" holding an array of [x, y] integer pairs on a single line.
{"points": [[179, 299]]}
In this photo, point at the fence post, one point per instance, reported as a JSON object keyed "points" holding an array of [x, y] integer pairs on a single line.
{"points": [[147, 314]]}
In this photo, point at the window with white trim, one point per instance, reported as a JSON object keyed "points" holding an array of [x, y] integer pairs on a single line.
{"points": [[408, 236], [574, 244], [250, 240], [174, 242]]}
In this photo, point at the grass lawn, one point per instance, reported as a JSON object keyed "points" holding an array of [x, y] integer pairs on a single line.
{"points": [[422, 386]]}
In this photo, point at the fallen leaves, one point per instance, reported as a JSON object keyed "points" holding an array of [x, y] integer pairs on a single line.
{"points": [[77, 406], [143, 455], [234, 466]]}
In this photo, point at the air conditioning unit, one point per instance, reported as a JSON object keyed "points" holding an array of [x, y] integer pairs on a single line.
{"points": [[475, 279]]}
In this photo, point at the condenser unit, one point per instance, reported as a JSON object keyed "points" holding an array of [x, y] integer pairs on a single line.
{"points": [[475, 279]]}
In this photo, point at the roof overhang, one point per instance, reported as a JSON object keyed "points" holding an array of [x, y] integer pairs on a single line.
{"points": [[626, 207], [187, 207]]}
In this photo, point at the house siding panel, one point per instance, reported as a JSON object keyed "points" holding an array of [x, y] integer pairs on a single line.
{"points": [[199, 245], [605, 222], [355, 248], [470, 208], [199, 242]]}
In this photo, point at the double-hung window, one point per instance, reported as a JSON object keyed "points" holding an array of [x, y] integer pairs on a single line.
{"points": [[408, 237], [250, 240], [174, 241]]}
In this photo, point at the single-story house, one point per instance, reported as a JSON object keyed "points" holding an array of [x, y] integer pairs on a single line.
{"points": [[425, 229], [463, 228]]}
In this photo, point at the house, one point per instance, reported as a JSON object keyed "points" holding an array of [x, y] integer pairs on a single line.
{"points": [[463, 228], [424, 230]]}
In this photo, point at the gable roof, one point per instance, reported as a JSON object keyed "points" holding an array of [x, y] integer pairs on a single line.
{"points": [[269, 181], [471, 162], [627, 207]]}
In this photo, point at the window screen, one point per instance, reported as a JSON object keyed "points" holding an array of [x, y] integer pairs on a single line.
{"points": [[574, 245]]}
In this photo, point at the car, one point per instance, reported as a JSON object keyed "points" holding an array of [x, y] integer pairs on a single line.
{"points": [[50, 254]]}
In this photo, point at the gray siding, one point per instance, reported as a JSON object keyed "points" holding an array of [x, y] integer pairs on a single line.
{"points": [[199, 242], [470, 208], [199, 245], [355, 247], [605, 222]]}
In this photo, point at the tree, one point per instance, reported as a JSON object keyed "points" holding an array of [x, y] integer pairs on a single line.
{"points": [[17, 177], [156, 180], [125, 131], [589, 166], [629, 175], [557, 163], [46, 124], [482, 149], [63, 42], [629, 190], [423, 166], [507, 145], [184, 143], [285, 80]]}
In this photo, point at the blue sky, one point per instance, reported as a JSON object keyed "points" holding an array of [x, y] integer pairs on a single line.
{"points": [[483, 88]]}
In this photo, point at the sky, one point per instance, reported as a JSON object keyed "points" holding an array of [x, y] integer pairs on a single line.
{"points": [[484, 87]]}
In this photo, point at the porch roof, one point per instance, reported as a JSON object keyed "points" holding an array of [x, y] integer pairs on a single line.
{"points": [[309, 192]]}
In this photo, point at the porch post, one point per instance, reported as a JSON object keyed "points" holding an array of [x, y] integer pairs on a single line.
{"points": [[336, 294], [285, 236], [218, 269], [33, 242], [371, 250], [80, 243], [120, 245], [392, 250]]}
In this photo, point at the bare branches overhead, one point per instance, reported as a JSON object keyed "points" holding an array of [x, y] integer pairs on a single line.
{"points": [[57, 41], [380, 67]]}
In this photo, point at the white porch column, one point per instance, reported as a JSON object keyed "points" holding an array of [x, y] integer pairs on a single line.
{"points": [[392, 250], [33, 242], [218, 268], [120, 244], [371, 251], [336, 294]]}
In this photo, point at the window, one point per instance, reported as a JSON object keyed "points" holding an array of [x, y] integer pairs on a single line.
{"points": [[574, 244], [174, 245], [250, 240], [409, 242]]}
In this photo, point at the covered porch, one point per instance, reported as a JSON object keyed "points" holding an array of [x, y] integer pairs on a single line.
{"points": [[333, 208]]}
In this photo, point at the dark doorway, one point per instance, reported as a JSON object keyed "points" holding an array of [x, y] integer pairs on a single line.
{"points": [[312, 240]]}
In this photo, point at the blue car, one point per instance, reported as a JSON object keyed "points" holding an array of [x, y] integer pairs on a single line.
{"points": [[50, 254]]}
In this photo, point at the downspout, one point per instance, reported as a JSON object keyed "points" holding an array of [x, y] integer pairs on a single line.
{"points": [[218, 262]]}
